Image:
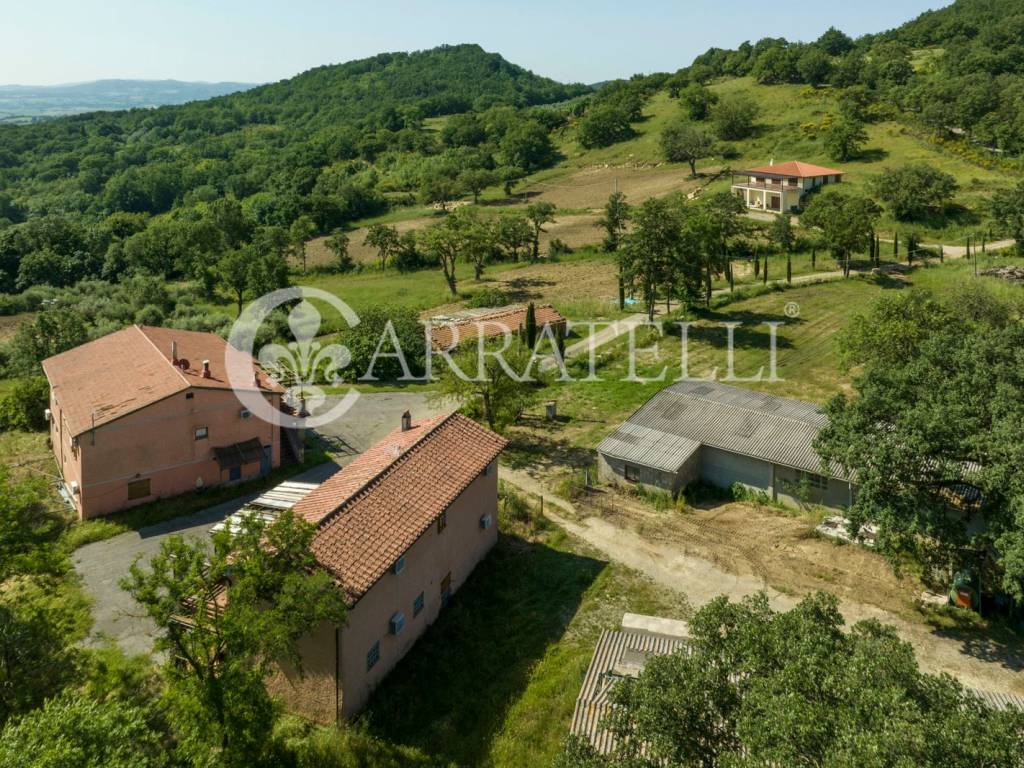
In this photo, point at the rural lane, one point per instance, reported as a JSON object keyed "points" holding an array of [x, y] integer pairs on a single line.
{"points": [[989, 667]]}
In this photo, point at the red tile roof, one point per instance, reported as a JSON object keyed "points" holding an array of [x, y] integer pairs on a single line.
{"points": [[126, 370], [795, 168], [371, 511], [491, 324]]}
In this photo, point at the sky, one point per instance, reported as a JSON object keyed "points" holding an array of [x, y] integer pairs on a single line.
{"points": [[62, 41]]}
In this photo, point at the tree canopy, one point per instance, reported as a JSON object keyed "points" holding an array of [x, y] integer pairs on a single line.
{"points": [[759, 687]]}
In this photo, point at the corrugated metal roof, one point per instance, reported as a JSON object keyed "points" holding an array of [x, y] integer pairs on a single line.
{"points": [[615, 651], [616, 656], [998, 700], [638, 444], [754, 424]]}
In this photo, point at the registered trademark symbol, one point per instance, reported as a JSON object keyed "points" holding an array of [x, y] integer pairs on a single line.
{"points": [[792, 309]]}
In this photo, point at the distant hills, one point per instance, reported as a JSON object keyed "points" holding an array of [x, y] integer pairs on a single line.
{"points": [[28, 103]]}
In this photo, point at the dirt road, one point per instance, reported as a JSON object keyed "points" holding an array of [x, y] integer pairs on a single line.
{"points": [[733, 550]]}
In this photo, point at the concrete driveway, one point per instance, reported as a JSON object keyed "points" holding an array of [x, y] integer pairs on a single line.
{"points": [[101, 565], [371, 418]]}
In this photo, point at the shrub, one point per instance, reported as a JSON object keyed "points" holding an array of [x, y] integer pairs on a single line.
{"points": [[558, 247], [22, 408], [490, 296]]}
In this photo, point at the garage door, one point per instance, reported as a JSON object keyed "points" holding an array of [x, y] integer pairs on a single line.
{"points": [[722, 468]]}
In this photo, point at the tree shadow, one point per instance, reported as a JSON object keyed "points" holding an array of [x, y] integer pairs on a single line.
{"points": [[752, 333], [1002, 648], [525, 288], [450, 694], [519, 198], [872, 155]]}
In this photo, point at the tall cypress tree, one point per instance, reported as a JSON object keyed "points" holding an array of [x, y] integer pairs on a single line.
{"points": [[531, 325]]}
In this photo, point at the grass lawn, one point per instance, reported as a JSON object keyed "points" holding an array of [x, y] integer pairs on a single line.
{"points": [[494, 681], [807, 356]]}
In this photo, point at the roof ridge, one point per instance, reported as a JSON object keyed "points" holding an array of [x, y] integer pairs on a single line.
{"points": [[383, 471], [152, 343]]}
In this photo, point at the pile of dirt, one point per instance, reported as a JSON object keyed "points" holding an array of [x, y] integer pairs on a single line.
{"points": [[1011, 273]]}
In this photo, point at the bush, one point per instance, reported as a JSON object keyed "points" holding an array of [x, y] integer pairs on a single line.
{"points": [[491, 296], [22, 408], [558, 247]]}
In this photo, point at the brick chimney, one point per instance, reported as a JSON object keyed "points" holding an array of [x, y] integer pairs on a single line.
{"points": [[406, 421]]}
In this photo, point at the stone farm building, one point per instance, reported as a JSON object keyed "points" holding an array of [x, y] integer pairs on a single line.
{"points": [[400, 529], [782, 187], [146, 413], [722, 435], [451, 330]]}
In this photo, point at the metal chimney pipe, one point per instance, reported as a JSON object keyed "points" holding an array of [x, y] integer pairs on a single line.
{"points": [[174, 352], [206, 369], [406, 421]]}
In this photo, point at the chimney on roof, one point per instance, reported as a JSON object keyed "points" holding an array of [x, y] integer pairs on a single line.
{"points": [[174, 353], [206, 369], [406, 421]]}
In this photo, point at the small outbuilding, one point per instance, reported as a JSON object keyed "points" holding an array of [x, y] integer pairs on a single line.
{"points": [[723, 435]]}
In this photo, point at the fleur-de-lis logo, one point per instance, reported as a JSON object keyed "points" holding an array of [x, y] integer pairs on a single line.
{"points": [[302, 366]]}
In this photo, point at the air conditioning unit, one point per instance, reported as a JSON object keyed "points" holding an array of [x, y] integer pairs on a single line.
{"points": [[47, 414], [485, 521], [74, 487], [245, 413], [399, 565], [397, 623]]}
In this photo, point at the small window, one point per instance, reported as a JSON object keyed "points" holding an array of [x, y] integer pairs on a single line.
{"points": [[138, 489], [632, 473], [417, 605], [397, 623], [446, 589], [202, 433], [399, 565], [373, 655], [485, 521], [442, 522], [189, 395], [818, 482]]}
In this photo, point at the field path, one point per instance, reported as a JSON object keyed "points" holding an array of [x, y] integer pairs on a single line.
{"points": [[976, 662]]}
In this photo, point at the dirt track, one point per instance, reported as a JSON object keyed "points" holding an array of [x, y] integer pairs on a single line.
{"points": [[739, 549]]}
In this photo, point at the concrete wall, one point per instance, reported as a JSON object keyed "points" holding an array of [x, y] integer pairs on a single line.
{"points": [[789, 490], [613, 471], [158, 442], [724, 469]]}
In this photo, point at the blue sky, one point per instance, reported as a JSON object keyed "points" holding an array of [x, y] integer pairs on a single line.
{"points": [[56, 41]]}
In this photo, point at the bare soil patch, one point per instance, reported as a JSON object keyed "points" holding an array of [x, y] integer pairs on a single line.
{"points": [[770, 545], [590, 187]]}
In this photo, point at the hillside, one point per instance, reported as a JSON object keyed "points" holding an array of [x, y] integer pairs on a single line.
{"points": [[28, 103]]}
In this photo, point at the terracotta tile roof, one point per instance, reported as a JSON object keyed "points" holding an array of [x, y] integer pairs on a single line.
{"points": [[795, 168], [126, 370], [491, 324], [371, 511]]}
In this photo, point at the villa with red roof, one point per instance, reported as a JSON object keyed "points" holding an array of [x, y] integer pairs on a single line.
{"points": [[399, 529], [781, 187], [146, 413]]}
